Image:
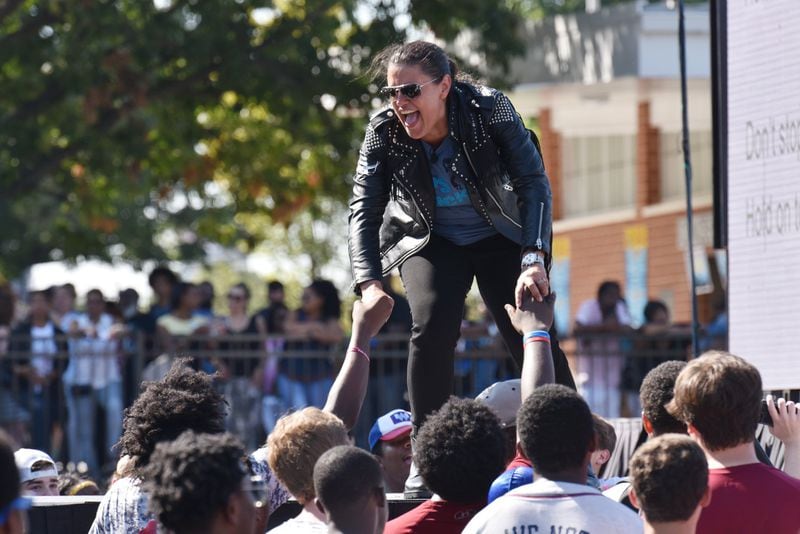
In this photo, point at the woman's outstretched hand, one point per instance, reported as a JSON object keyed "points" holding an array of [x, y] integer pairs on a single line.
{"points": [[534, 281]]}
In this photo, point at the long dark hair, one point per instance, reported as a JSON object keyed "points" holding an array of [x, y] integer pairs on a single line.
{"points": [[332, 304], [430, 58], [178, 291]]}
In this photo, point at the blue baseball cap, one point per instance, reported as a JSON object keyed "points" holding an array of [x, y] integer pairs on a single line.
{"points": [[513, 478], [390, 426]]}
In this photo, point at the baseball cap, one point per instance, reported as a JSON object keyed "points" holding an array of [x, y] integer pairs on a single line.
{"points": [[509, 480], [26, 460], [504, 399], [390, 426]]}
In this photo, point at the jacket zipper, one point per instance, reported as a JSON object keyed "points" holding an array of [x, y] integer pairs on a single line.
{"points": [[539, 235], [499, 207], [414, 250]]}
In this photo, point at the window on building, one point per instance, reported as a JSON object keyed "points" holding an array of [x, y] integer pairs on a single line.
{"points": [[599, 174], [671, 161]]}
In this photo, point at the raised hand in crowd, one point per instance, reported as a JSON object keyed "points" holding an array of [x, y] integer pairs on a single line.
{"points": [[786, 427], [532, 315], [347, 393], [533, 320]]}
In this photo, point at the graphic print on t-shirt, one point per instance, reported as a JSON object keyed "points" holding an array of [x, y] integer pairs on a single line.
{"points": [[449, 192]]}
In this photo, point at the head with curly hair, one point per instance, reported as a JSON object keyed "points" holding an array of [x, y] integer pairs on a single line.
{"points": [[196, 484], [460, 450], [556, 431], [184, 399], [669, 479], [295, 445], [657, 390]]}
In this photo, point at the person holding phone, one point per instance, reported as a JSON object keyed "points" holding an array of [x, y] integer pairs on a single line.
{"points": [[450, 187]]}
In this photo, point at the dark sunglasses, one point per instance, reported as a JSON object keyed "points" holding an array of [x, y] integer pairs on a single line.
{"points": [[233, 296], [409, 90]]}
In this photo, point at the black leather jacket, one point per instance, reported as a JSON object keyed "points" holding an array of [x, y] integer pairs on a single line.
{"points": [[393, 203]]}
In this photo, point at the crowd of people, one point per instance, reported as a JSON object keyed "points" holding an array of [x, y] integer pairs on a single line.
{"points": [[699, 470], [61, 367]]}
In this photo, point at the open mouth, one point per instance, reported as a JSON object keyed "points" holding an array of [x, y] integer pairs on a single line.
{"points": [[410, 118], [407, 459]]}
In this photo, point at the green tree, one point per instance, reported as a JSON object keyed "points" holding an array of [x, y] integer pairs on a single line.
{"points": [[147, 129]]}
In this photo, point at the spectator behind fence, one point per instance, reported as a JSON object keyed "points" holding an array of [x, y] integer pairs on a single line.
{"points": [[183, 400], [181, 322], [657, 343], [198, 483], [37, 472], [163, 281], [315, 328], [718, 397], [348, 482], [276, 312], [13, 518], [298, 441], [240, 365], [207, 296], [600, 360], [390, 442], [273, 318], [36, 372], [670, 484], [93, 380], [63, 305], [13, 417], [557, 434], [460, 451]]}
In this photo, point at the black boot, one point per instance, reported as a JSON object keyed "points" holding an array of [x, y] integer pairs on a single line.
{"points": [[415, 486]]}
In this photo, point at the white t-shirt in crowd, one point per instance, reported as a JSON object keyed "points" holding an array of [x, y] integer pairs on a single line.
{"points": [[305, 523], [549, 506], [43, 348], [93, 360]]}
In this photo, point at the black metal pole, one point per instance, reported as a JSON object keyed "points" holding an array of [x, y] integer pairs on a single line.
{"points": [[687, 167]]}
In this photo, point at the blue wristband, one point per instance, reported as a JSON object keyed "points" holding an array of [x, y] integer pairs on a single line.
{"points": [[535, 333]]}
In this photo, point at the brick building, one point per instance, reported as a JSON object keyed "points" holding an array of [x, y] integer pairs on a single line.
{"points": [[604, 91]]}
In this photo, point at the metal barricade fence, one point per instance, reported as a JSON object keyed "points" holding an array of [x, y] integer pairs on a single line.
{"points": [[264, 377], [609, 367]]}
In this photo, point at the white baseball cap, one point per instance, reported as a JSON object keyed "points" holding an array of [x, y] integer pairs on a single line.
{"points": [[26, 459], [504, 399]]}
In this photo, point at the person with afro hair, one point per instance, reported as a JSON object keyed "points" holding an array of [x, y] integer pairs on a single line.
{"points": [[184, 399], [556, 433], [199, 483], [460, 450]]}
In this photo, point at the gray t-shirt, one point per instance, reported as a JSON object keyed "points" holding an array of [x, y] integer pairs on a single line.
{"points": [[456, 219]]}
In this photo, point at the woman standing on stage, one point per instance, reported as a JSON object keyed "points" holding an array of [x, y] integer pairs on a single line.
{"points": [[450, 187]]}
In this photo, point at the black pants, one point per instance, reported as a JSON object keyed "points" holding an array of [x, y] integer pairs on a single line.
{"points": [[437, 280]]}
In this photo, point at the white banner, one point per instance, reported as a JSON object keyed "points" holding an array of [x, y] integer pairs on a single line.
{"points": [[764, 186]]}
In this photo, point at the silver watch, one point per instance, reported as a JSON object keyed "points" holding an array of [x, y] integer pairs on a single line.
{"points": [[532, 258]]}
